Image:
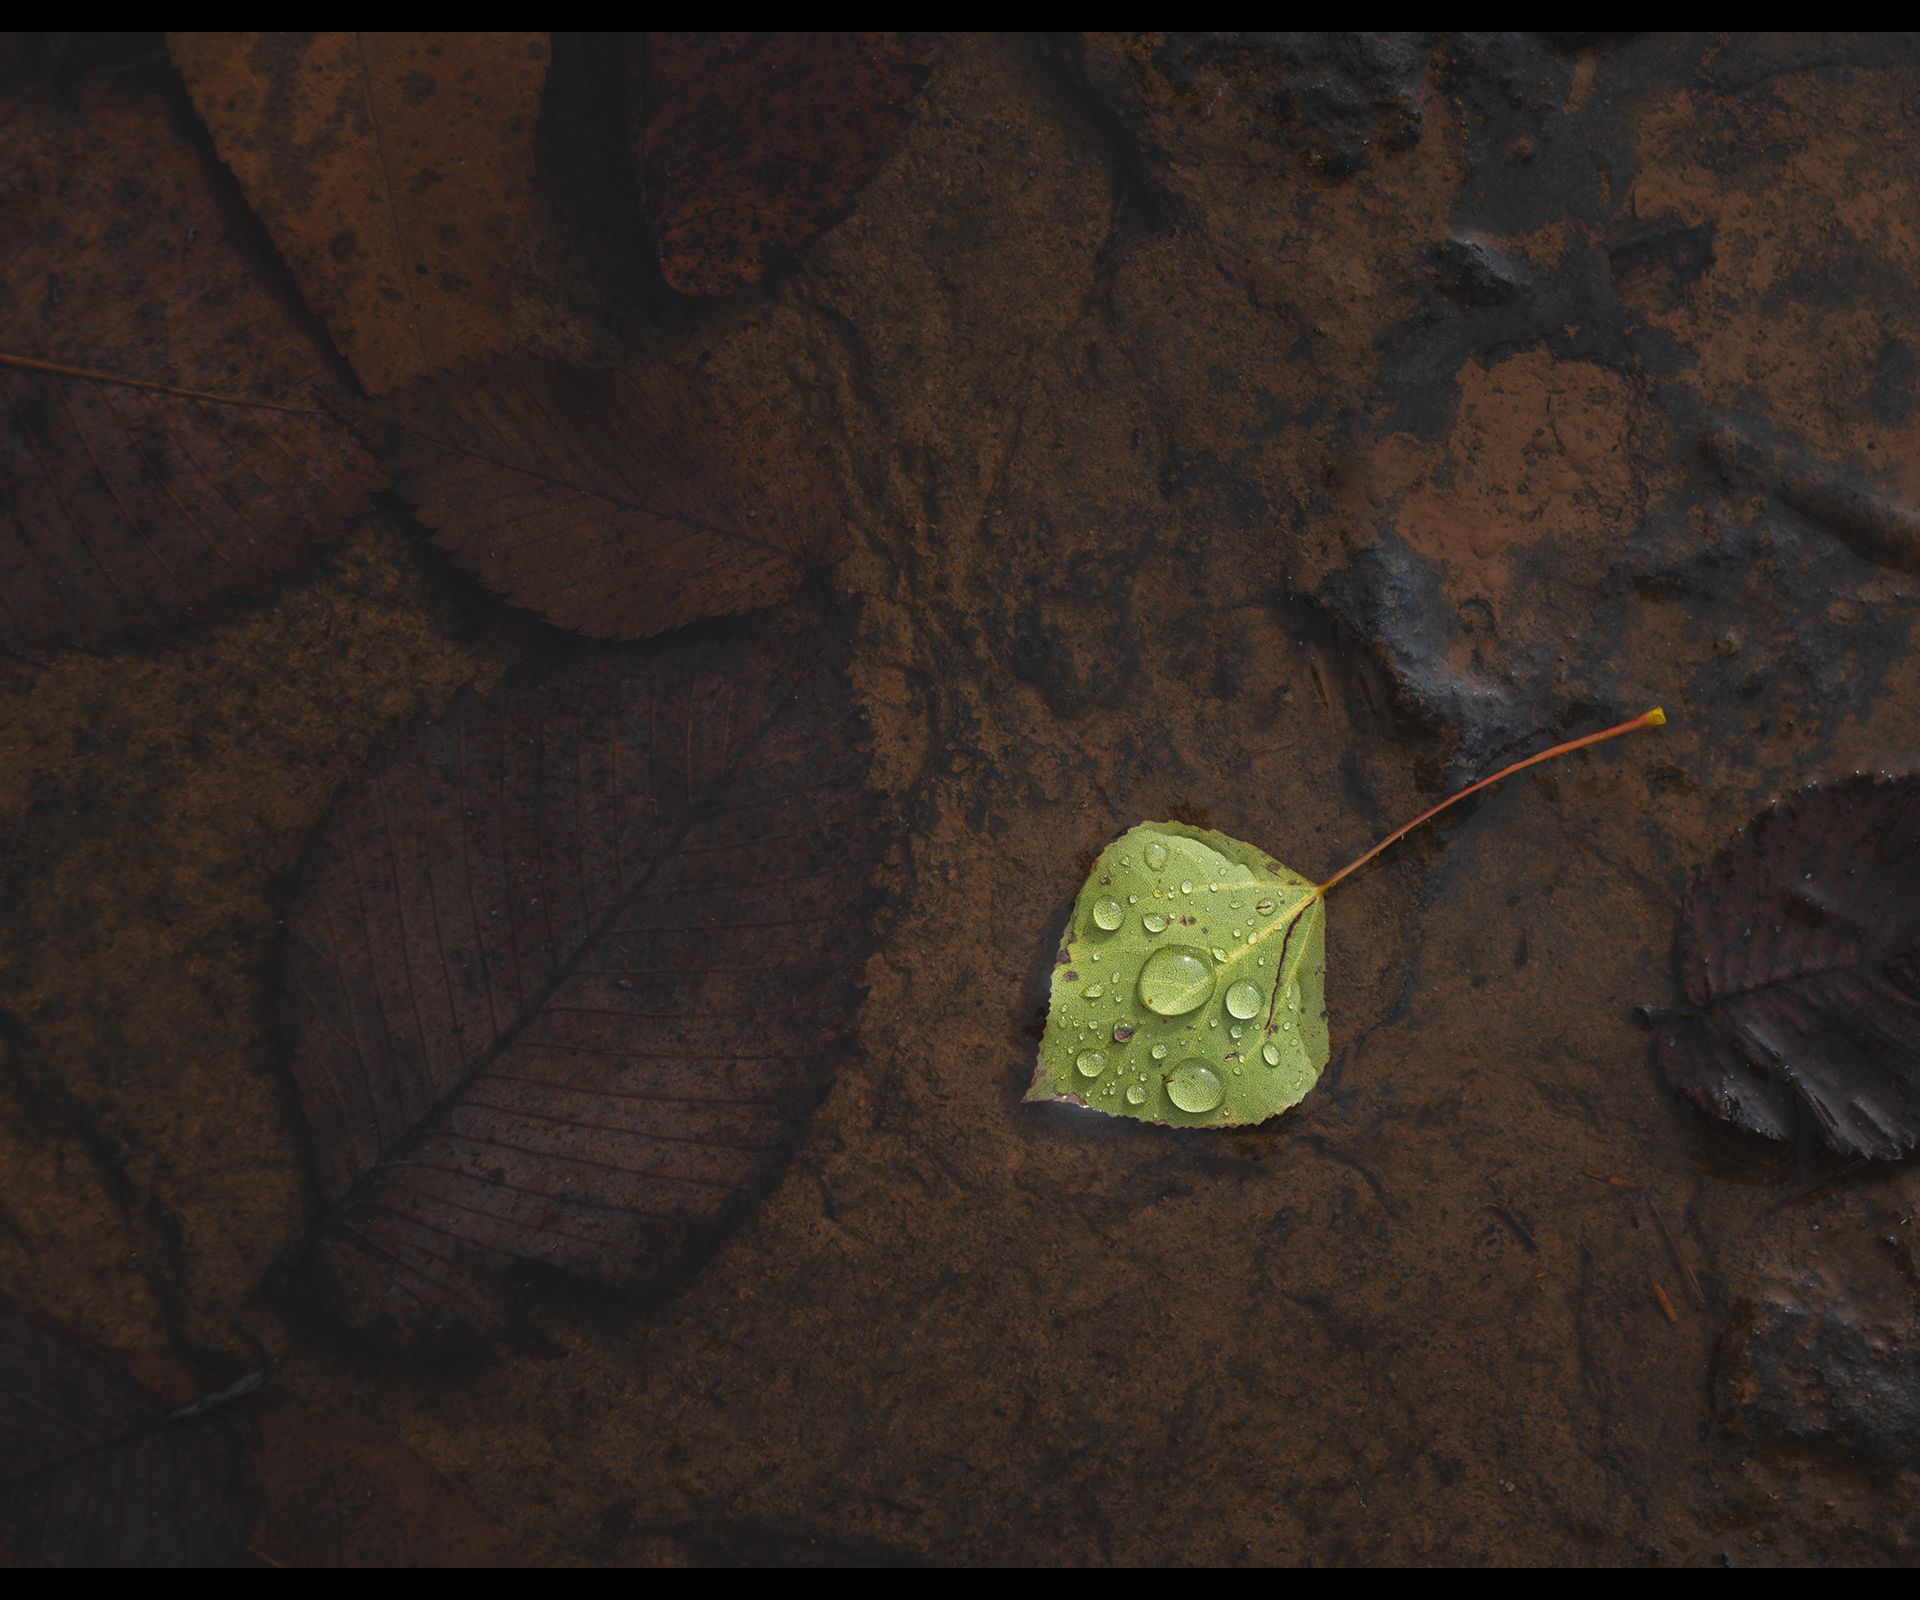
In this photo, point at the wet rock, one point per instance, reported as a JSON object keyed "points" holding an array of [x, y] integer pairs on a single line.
{"points": [[1812, 1362], [1472, 272], [1843, 501], [1333, 101]]}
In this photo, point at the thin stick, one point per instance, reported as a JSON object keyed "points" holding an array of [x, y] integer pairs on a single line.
{"points": [[54, 367], [1673, 1249], [1650, 719]]}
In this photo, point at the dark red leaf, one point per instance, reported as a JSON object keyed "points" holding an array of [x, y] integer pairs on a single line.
{"points": [[748, 144], [394, 171], [1800, 953], [616, 504], [568, 969], [122, 508]]}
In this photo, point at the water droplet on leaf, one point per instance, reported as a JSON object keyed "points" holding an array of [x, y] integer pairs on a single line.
{"points": [[1243, 1000], [1194, 1086], [1091, 1063], [1175, 980], [1107, 914], [1156, 856]]}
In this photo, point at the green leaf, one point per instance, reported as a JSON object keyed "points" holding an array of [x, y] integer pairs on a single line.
{"points": [[1190, 987]]}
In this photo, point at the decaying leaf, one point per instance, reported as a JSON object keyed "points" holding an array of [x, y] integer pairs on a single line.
{"points": [[1190, 987], [616, 504], [748, 144], [393, 171], [131, 501], [98, 1468], [569, 968], [1800, 952]]}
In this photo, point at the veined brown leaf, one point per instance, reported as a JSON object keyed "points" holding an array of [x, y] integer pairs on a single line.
{"points": [[616, 504], [161, 443], [1801, 956], [393, 171], [568, 969], [98, 1470], [748, 144]]}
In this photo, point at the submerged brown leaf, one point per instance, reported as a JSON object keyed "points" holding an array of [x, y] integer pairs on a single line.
{"points": [[616, 504], [393, 171], [570, 966], [748, 144], [126, 505], [98, 1468], [1801, 955]]}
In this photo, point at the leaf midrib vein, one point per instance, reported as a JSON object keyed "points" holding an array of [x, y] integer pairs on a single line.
{"points": [[430, 1120], [681, 519]]}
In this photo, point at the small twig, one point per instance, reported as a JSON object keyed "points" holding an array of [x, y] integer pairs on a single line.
{"points": [[1673, 1249], [1516, 1227], [32, 364], [1651, 719], [1666, 1305]]}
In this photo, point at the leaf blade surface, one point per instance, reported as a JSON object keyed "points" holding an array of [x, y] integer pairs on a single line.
{"points": [[1189, 987], [569, 969], [1801, 956]]}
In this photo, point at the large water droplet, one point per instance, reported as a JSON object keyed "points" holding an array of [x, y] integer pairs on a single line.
{"points": [[1175, 980], [1265, 908], [1107, 914], [1243, 1000], [1091, 1063], [1156, 856], [1187, 887], [1122, 1032], [1159, 1052], [1095, 990], [1270, 1053], [1153, 922], [1136, 1094], [1194, 1086]]}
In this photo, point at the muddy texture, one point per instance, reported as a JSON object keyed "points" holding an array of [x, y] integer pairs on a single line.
{"points": [[1261, 433]]}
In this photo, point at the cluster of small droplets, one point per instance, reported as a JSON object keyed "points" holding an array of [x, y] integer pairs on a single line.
{"points": [[1176, 981]]}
